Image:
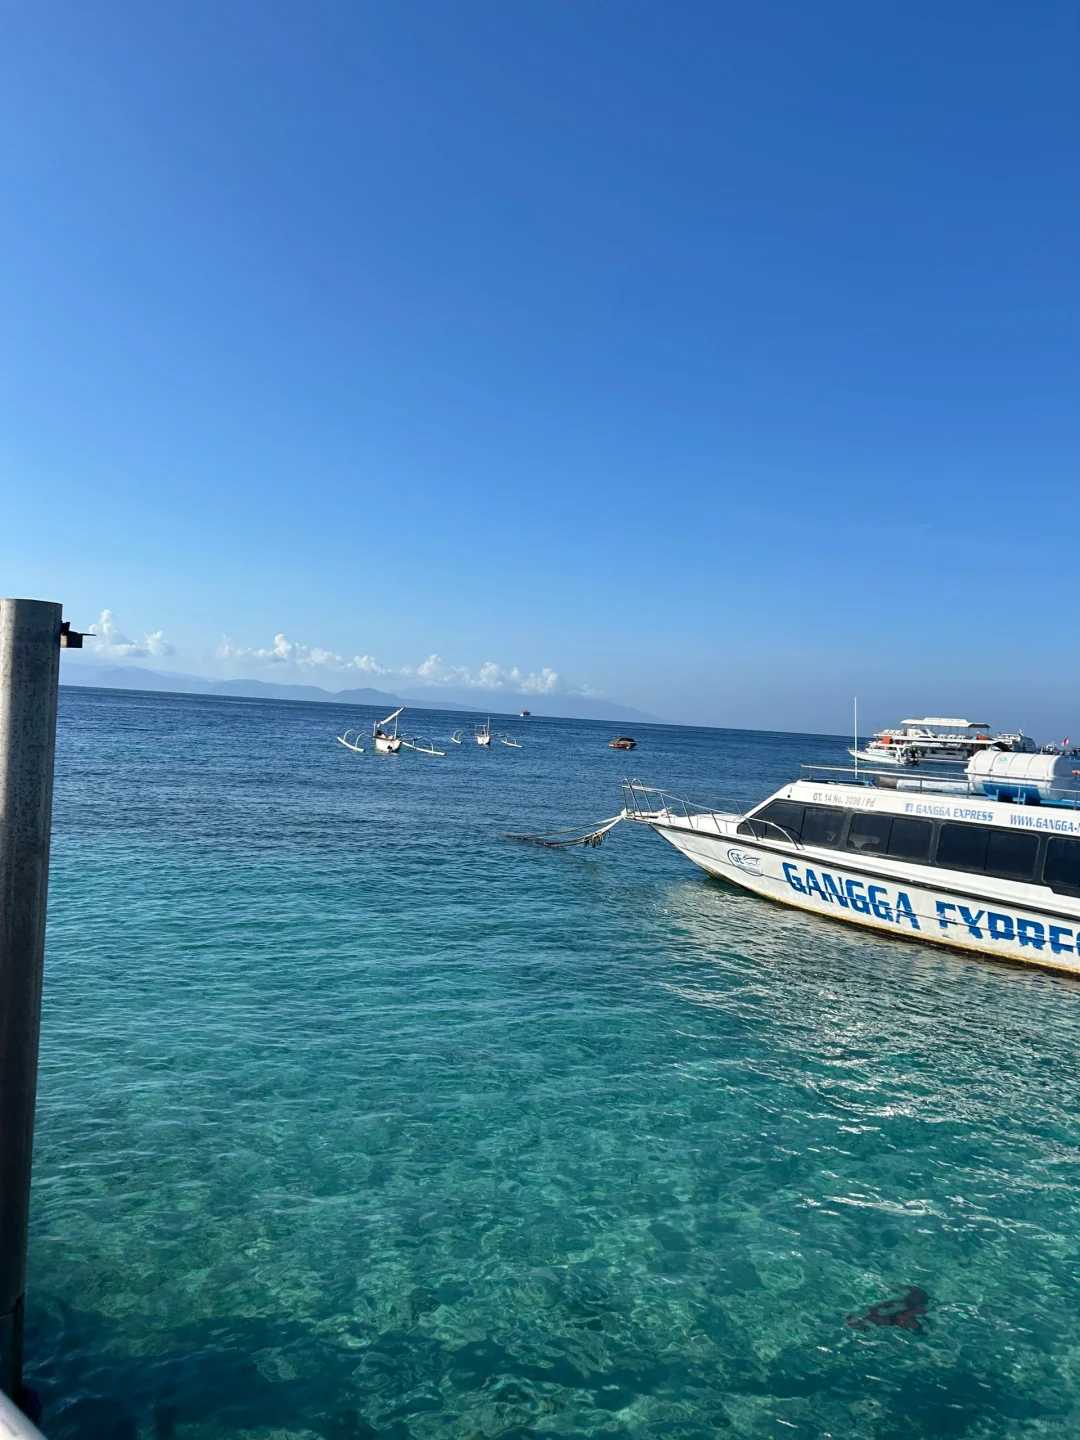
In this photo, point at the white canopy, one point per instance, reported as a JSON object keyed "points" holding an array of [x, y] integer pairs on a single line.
{"points": [[951, 722]]}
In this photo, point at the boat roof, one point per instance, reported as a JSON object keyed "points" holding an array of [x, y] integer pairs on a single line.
{"points": [[951, 721], [931, 799]]}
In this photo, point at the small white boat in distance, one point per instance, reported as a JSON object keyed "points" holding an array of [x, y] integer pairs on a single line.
{"points": [[387, 742], [938, 738], [349, 740], [524, 714], [513, 744], [483, 733]]}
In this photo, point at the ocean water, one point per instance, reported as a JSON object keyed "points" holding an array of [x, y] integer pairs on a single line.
{"points": [[357, 1120]]}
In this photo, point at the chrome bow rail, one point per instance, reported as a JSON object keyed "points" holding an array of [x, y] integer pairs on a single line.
{"points": [[648, 803], [640, 801]]}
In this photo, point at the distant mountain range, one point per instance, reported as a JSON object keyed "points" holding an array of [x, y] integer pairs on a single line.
{"points": [[79, 671]]}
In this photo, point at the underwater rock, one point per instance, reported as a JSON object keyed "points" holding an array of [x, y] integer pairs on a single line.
{"points": [[905, 1311]]}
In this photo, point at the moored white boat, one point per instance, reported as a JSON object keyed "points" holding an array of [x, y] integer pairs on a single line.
{"points": [[387, 742], [988, 861], [483, 733], [938, 738], [391, 742]]}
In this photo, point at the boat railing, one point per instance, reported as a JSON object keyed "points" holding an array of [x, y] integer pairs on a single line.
{"points": [[648, 802], [641, 801], [908, 779], [757, 823]]}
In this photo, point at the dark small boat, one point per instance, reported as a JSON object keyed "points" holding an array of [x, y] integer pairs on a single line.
{"points": [[622, 742]]}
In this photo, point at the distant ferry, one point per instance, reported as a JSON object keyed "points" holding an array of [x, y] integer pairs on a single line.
{"points": [[987, 861], [524, 714], [939, 738]]}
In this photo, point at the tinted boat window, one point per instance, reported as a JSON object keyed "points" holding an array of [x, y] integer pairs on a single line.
{"points": [[869, 834], [962, 847], [1011, 854], [785, 819], [822, 825], [1062, 869], [910, 839]]}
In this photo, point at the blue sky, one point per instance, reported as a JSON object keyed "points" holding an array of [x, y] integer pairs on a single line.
{"points": [[722, 358]]}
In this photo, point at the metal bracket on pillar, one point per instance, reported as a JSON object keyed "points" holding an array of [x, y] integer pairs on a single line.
{"points": [[72, 639]]}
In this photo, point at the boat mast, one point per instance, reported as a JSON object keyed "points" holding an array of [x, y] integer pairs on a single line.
{"points": [[855, 702]]}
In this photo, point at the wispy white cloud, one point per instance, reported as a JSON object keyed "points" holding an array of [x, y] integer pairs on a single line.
{"points": [[488, 676], [284, 651], [546, 683], [433, 671], [110, 643]]}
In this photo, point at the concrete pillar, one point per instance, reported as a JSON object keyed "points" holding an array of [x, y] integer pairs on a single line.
{"points": [[29, 676]]}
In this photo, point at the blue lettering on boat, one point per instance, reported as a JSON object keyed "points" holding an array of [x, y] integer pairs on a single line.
{"points": [[1058, 943], [855, 893], [813, 885], [972, 921], [852, 894], [904, 910], [1000, 926], [895, 908], [836, 890], [879, 903], [1031, 932]]}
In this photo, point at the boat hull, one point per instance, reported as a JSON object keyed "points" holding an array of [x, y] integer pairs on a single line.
{"points": [[949, 914], [895, 757], [387, 744]]}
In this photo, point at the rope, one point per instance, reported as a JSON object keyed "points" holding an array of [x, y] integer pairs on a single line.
{"points": [[554, 841]]}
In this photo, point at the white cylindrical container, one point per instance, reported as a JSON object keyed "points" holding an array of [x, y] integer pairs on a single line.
{"points": [[1024, 776]]}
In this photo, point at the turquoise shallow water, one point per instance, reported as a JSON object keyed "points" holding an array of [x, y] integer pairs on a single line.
{"points": [[356, 1120]]}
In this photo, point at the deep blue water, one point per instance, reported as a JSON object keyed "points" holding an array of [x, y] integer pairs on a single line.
{"points": [[357, 1120]]}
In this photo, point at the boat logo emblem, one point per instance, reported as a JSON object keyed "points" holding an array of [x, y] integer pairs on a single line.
{"points": [[752, 863]]}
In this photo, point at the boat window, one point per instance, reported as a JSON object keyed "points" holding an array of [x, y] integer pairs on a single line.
{"points": [[822, 825], [962, 847], [1011, 855], [869, 834], [784, 819], [909, 839], [1062, 869]]}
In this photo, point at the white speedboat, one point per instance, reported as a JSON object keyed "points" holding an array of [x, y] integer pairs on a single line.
{"points": [[938, 738], [483, 734], [387, 742], [987, 861]]}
